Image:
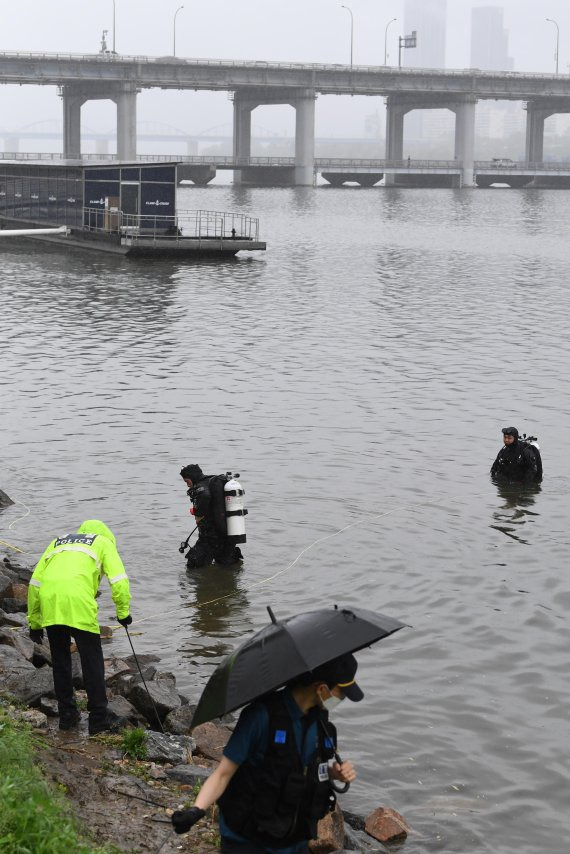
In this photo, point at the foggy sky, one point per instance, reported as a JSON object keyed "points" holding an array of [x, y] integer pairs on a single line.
{"points": [[274, 30]]}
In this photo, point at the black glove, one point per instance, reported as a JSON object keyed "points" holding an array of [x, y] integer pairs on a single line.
{"points": [[37, 635], [183, 820], [125, 621]]}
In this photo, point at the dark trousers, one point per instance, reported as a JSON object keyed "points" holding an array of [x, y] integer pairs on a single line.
{"points": [[211, 548], [92, 665]]}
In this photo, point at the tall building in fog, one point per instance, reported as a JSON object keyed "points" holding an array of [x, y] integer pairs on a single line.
{"points": [[428, 18], [489, 40]]}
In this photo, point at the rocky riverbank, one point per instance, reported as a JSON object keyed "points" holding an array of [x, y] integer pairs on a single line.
{"points": [[120, 799]]}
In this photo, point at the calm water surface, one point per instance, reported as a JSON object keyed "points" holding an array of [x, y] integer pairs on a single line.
{"points": [[357, 374]]}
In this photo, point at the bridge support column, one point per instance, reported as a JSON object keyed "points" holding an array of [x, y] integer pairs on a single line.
{"points": [[72, 104], [535, 118], [465, 140], [242, 132], [126, 102], [305, 140], [395, 113]]}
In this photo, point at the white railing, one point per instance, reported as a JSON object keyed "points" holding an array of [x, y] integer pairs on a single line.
{"points": [[196, 225]]}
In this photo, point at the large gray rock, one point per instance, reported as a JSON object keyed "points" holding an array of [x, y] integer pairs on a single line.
{"points": [[14, 606], [163, 747], [189, 774], [5, 581], [358, 840], [5, 500], [179, 720], [123, 709], [16, 619], [19, 639], [21, 679], [17, 572], [162, 700]]}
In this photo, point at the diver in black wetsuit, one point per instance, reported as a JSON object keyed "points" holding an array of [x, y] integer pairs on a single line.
{"points": [[213, 543], [516, 462]]}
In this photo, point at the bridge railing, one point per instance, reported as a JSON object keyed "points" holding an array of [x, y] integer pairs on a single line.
{"points": [[186, 224], [110, 57]]}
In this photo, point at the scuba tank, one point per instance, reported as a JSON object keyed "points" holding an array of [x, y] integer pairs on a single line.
{"points": [[235, 510], [532, 442]]}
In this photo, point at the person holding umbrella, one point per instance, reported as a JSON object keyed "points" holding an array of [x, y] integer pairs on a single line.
{"points": [[275, 779]]}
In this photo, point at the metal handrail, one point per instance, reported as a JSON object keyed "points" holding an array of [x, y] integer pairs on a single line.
{"points": [[186, 224]]}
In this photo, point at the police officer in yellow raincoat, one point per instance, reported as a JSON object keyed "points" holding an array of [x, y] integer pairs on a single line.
{"points": [[61, 599]]}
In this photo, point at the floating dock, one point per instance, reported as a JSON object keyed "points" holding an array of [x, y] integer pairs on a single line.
{"points": [[123, 208]]}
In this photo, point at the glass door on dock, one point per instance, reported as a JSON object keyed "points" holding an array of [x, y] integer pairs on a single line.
{"points": [[130, 201]]}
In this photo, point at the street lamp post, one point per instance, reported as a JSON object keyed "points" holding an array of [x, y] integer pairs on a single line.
{"points": [[386, 40], [552, 21], [351, 31], [174, 31]]}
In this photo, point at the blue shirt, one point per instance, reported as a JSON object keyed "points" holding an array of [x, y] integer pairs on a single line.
{"points": [[249, 741]]}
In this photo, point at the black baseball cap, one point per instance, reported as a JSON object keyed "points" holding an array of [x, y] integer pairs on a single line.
{"points": [[340, 672]]}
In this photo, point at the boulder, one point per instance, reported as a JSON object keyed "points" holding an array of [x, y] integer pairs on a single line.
{"points": [[143, 660], [15, 590], [123, 709], [386, 825], [5, 581], [17, 638], [34, 717], [5, 500], [17, 573], [358, 840], [21, 679], [162, 700], [330, 833], [210, 740], [14, 606], [13, 619], [48, 707], [114, 667], [179, 720], [163, 747], [190, 775]]}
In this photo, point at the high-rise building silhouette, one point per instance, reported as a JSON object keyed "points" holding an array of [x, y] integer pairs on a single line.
{"points": [[489, 40], [428, 19]]}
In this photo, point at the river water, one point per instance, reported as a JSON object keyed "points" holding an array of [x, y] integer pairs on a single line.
{"points": [[356, 374]]}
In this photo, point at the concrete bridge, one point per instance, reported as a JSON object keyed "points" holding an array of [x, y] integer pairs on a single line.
{"points": [[119, 78], [280, 171]]}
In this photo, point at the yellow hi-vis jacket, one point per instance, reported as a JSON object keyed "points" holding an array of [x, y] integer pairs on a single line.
{"points": [[65, 582]]}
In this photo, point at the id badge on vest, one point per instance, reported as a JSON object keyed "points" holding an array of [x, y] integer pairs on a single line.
{"points": [[323, 772]]}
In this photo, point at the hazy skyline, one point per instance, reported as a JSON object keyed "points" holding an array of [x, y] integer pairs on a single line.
{"points": [[299, 31]]}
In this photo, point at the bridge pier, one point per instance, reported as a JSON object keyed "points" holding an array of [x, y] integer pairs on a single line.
{"points": [[74, 95], [72, 104], [303, 102], [465, 139], [242, 132], [126, 101], [397, 106], [395, 112]]}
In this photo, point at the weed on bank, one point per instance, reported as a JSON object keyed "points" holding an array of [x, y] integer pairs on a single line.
{"points": [[34, 816]]}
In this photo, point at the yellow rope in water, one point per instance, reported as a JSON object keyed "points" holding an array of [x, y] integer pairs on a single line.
{"points": [[10, 546]]}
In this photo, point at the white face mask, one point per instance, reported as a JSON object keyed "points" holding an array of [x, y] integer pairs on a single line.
{"points": [[331, 702]]}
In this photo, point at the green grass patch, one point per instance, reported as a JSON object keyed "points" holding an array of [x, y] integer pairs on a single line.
{"points": [[34, 817], [133, 743]]}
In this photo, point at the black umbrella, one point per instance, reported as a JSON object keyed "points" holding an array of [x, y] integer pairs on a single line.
{"points": [[286, 649]]}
